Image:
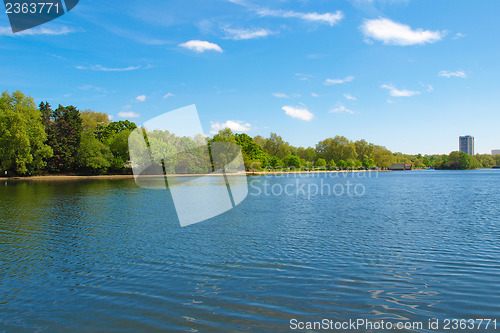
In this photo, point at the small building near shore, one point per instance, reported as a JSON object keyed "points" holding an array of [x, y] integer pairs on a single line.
{"points": [[401, 166]]}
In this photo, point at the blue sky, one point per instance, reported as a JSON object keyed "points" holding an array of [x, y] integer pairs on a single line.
{"points": [[409, 75]]}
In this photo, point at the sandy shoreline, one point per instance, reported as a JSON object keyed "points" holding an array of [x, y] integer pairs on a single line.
{"points": [[113, 177]]}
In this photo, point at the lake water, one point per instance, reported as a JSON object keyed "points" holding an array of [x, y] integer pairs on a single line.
{"points": [[98, 255]]}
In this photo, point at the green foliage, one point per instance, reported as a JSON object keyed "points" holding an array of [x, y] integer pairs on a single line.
{"points": [[22, 135], [292, 161], [486, 160], [321, 163], [276, 146], [332, 165], [66, 140], [275, 162], [342, 164], [93, 121], [458, 160], [115, 127], [93, 155], [64, 135]]}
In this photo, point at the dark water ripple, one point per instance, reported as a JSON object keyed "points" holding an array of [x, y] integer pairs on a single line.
{"points": [[106, 255]]}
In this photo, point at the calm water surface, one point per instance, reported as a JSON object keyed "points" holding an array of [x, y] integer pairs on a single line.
{"points": [[106, 255]]}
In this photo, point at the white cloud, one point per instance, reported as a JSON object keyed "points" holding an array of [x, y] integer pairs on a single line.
{"points": [[299, 113], [340, 108], [350, 97], [393, 33], [108, 69], [242, 34], [453, 74], [200, 46], [89, 87], [128, 114], [314, 94], [7, 31], [280, 95], [167, 95], [399, 93], [303, 77], [233, 125], [328, 18], [459, 35], [141, 98], [329, 82]]}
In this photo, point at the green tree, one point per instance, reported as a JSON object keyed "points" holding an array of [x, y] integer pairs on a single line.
{"points": [[22, 134], [321, 163], [342, 164], [276, 146], [292, 161], [65, 131], [332, 165], [337, 148], [486, 160], [92, 121], [93, 155]]}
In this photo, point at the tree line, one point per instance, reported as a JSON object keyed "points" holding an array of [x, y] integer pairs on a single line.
{"points": [[43, 140]]}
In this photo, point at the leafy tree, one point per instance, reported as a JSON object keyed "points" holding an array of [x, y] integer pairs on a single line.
{"points": [[292, 161], [486, 160], [93, 155], [275, 162], [114, 128], [251, 151], [497, 159], [321, 163], [458, 160], [92, 121], [65, 131], [332, 164], [276, 146], [342, 164], [368, 163], [22, 134], [337, 148]]}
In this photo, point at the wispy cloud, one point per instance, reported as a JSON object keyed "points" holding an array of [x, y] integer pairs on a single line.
{"points": [[313, 94], [328, 18], [200, 46], [233, 125], [350, 97], [453, 74], [329, 82], [280, 95], [298, 112], [242, 34], [167, 95], [7, 31], [107, 69], [393, 33], [141, 98], [340, 108], [128, 114], [303, 77], [89, 87], [399, 93], [459, 35]]}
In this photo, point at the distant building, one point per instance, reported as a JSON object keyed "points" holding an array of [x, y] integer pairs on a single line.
{"points": [[466, 144], [495, 152], [401, 166]]}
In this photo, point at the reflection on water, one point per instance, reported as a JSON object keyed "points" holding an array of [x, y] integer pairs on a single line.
{"points": [[97, 255]]}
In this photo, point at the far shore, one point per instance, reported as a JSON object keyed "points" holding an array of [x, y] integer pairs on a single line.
{"points": [[113, 177]]}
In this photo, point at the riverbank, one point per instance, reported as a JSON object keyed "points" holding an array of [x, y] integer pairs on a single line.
{"points": [[112, 177]]}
